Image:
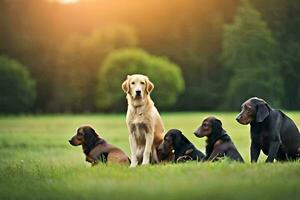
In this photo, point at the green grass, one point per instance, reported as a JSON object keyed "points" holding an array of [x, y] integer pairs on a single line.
{"points": [[36, 162]]}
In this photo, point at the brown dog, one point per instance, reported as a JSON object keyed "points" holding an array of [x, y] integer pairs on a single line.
{"points": [[175, 143], [97, 149], [218, 143]]}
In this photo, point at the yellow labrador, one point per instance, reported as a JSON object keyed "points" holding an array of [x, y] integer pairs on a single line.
{"points": [[143, 120]]}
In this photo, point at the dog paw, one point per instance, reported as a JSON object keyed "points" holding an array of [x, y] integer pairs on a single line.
{"points": [[183, 159], [133, 165]]}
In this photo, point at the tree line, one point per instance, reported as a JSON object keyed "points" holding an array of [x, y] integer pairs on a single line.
{"points": [[225, 51]]}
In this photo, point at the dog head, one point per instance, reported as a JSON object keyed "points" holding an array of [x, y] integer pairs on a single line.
{"points": [[137, 86], [85, 135], [254, 109], [174, 139], [210, 126]]}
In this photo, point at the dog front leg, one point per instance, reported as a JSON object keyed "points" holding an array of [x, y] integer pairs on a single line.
{"points": [[254, 151], [215, 154], [274, 146], [133, 148], [148, 148], [155, 156]]}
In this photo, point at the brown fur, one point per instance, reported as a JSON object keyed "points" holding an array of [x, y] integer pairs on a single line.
{"points": [[97, 149], [218, 143]]}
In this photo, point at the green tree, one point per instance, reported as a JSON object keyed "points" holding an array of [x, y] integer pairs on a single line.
{"points": [[283, 18], [165, 75], [250, 55], [78, 63], [16, 86]]}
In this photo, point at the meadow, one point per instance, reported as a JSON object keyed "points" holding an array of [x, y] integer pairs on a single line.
{"points": [[37, 162]]}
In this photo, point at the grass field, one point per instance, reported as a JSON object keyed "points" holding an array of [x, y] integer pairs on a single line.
{"points": [[36, 162]]}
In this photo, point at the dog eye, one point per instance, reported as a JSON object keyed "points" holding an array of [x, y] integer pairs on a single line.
{"points": [[142, 83], [132, 83]]}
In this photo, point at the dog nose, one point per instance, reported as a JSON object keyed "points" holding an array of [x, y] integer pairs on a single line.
{"points": [[70, 141], [197, 134], [138, 92], [237, 118]]}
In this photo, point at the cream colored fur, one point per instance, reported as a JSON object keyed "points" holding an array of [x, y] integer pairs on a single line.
{"points": [[146, 129]]}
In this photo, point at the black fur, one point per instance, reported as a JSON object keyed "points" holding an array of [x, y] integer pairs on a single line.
{"points": [[274, 133], [183, 147], [227, 147], [91, 139]]}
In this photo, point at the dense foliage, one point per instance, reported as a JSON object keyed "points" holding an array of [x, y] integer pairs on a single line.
{"points": [[165, 75], [16, 86], [59, 46], [78, 62], [252, 59]]}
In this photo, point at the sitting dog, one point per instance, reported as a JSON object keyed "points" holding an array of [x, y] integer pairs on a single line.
{"points": [[218, 142], [97, 149], [143, 120], [165, 155], [271, 131], [183, 149]]}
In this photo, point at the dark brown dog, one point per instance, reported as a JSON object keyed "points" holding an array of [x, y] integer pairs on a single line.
{"points": [[271, 131], [165, 155], [218, 142], [97, 149], [184, 150]]}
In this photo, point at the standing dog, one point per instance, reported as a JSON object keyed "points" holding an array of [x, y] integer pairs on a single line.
{"points": [[97, 149], [218, 143], [271, 131], [143, 120]]}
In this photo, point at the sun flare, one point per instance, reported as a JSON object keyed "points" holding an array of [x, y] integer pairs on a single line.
{"points": [[68, 1]]}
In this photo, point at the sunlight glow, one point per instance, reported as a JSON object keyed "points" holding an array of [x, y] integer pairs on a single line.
{"points": [[68, 1]]}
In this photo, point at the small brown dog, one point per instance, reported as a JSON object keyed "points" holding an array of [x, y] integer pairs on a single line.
{"points": [[97, 149]]}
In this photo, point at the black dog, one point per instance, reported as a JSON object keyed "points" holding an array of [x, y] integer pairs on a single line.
{"points": [[183, 149], [218, 142], [271, 131]]}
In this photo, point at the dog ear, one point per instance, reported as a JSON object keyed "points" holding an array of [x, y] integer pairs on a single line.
{"points": [[216, 126], [176, 138], [262, 112], [184, 140], [125, 85], [149, 86], [90, 136]]}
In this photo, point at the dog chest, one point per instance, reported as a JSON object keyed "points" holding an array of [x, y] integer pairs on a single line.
{"points": [[139, 130]]}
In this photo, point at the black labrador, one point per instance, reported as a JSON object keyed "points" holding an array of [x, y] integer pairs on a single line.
{"points": [[183, 149], [218, 143], [271, 131]]}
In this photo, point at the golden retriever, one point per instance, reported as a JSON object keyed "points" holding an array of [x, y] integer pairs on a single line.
{"points": [[143, 120]]}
